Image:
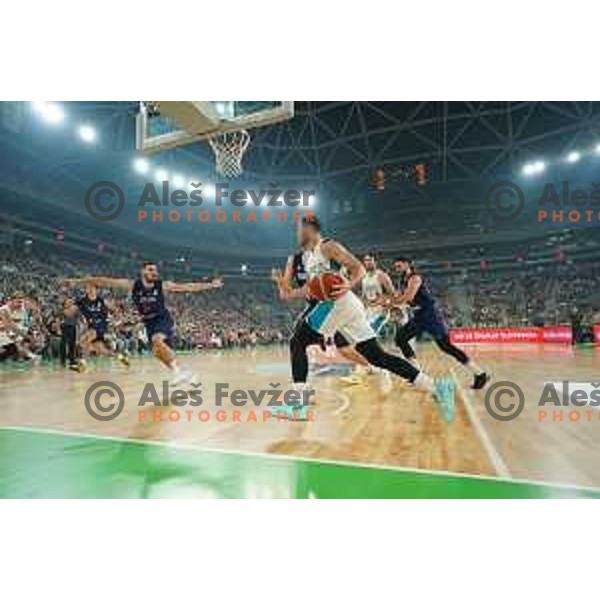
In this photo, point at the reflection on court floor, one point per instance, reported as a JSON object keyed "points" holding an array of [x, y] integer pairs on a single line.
{"points": [[51, 465], [366, 440]]}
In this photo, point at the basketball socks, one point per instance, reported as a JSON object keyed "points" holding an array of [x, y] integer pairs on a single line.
{"points": [[473, 367], [425, 383]]}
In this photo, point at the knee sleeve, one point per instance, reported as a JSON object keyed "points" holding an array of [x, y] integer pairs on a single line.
{"points": [[340, 341], [303, 337], [403, 336], [378, 357], [448, 347]]}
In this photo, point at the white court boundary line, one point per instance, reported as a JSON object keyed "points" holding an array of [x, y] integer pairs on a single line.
{"points": [[289, 457], [346, 402], [493, 455]]}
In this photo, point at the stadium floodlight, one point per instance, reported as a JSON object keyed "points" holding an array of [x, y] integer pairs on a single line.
{"points": [[49, 111], [208, 191], [178, 181], [573, 157], [141, 165], [534, 168], [598, 149], [87, 134], [162, 175], [529, 169]]}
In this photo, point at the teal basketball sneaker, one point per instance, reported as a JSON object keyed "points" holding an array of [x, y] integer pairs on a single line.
{"points": [[444, 398]]}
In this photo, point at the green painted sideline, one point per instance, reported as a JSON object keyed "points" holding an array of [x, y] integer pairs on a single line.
{"points": [[53, 465]]}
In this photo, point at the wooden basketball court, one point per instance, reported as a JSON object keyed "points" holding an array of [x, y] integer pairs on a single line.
{"points": [[367, 423]]}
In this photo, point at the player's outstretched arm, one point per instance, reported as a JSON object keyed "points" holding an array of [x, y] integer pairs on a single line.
{"points": [[414, 283], [355, 268], [386, 283], [200, 286], [387, 297], [105, 282]]}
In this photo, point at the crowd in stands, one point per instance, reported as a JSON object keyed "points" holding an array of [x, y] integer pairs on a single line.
{"points": [[247, 312], [525, 296]]}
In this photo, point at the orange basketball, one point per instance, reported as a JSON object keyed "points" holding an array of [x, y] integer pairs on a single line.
{"points": [[320, 286]]}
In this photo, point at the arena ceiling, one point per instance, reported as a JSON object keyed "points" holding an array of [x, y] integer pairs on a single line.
{"points": [[343, 142], [335, 144], [457, 140]]}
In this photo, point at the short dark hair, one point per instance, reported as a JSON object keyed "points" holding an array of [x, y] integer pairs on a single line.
{"points": [[403, 259], [312, 221], [148, 263]]}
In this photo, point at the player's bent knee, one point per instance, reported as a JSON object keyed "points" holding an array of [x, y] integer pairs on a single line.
{"points": [[157, 344], [294, 342], [372, 351], [301, 339], [347, 352]]}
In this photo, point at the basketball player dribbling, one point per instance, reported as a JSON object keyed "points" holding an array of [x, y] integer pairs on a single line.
{"points": [[147, 293], [295, 276], [427, 318], [345, 313]]}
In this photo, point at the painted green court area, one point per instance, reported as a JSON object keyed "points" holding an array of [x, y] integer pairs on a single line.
{"points": [[54, 465]]}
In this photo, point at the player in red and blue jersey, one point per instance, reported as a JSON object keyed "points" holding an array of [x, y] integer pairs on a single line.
{"points": [[427, 318], [148, 295]]}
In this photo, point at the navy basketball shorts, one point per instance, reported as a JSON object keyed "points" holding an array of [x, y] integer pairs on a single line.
{"points": [[100, 328], [431, 322], [163, 325]]}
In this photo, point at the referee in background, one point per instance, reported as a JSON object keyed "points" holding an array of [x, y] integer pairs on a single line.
{"points": [[68, 343]]}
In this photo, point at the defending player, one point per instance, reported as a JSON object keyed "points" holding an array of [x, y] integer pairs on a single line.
{"points": [[345, 313], [147, 293], [427, 318], [94, 310]]}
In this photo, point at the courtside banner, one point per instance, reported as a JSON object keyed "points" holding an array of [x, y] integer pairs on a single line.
{"points": [[596, 330], [531, 335]]}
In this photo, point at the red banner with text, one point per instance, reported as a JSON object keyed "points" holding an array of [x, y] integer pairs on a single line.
{"points": [[531, 335]]}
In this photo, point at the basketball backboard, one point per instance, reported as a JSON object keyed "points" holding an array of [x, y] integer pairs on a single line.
{"points": [[162, 125]]}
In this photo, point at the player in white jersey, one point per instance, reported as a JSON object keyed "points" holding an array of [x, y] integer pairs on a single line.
{"points": [[345, 313], [376, 292], [376, 288], [294, 276], [15, 318]]}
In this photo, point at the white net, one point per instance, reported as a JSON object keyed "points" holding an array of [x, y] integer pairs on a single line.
{"points": [[229, 148]]}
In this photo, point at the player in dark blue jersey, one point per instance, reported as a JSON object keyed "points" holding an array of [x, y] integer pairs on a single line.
{"points": [[426, 318], [148, 295], [94, 310]]}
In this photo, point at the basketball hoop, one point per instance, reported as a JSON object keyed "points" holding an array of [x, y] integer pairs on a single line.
{"points": [[229, 148]]}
